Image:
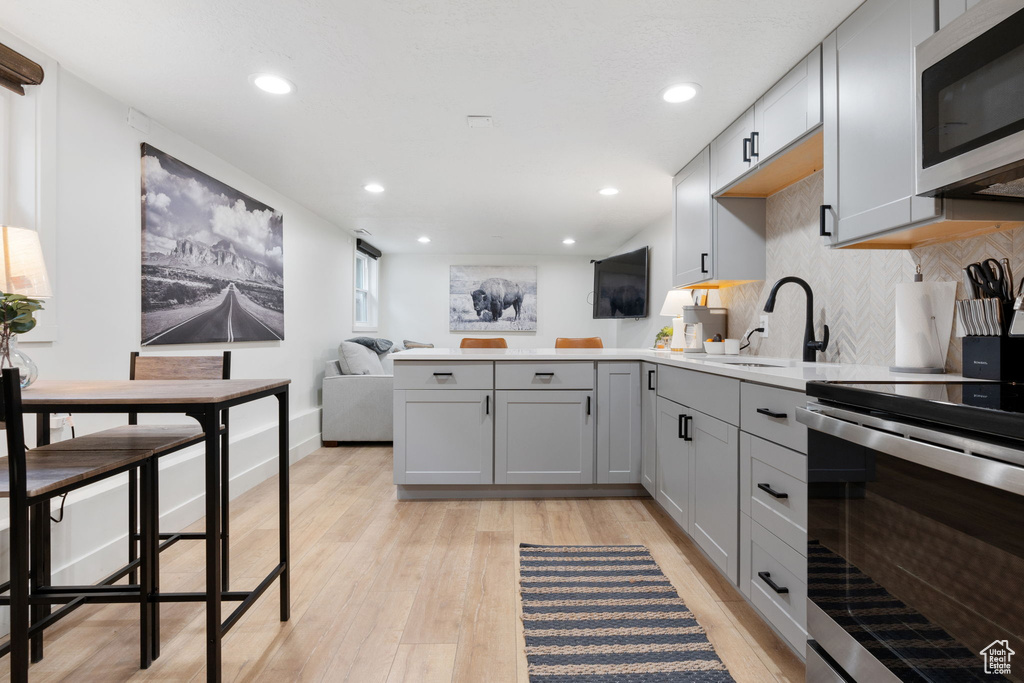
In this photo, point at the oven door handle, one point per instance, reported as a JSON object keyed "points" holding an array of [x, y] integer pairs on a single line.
{"points": [[992, 473]]}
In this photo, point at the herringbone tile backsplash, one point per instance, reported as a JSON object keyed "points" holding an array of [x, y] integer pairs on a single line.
{"points": [[854, 289]]}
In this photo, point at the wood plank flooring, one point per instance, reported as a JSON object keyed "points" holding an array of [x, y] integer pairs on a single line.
{"points": [[390, 591]]}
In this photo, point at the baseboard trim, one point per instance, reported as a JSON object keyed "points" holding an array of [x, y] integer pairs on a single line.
{"points": [[487, 491]]}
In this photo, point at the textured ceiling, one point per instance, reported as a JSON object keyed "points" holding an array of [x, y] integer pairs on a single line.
{"points": [[384, 88]]}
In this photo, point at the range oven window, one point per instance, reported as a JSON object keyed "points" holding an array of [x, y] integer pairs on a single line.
{"points": [[975, 95], [922, 568]]}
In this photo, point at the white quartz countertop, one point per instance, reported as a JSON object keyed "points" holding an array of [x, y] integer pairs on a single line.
{"points": [[787, 373]]}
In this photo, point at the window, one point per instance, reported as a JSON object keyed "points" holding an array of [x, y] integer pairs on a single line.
{"points": [[365, 287]]}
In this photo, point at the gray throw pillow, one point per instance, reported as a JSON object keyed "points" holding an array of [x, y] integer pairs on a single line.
{"points": [[356, 359], [375, 344], [416, 345]]}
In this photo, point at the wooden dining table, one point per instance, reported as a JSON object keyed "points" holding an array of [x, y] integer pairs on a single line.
{"points": [[204, 401]]}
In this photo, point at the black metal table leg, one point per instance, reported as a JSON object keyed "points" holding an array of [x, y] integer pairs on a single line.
{"points": [[211, 425], [283, 499], [19, 586], [133, 521], [39, 552], [154, 555], [225, 484], [146, 570]]}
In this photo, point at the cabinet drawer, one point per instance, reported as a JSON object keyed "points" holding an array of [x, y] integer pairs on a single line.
{"points": [[466, 375], [772, 489], [770, 413], [773, 561], [711, 394], [556, 375]]}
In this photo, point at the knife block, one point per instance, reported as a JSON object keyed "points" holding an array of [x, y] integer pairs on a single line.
{"points": [[996, 358]]}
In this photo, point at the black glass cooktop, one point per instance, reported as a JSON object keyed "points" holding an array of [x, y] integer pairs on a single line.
{"points": [[995, 408]]}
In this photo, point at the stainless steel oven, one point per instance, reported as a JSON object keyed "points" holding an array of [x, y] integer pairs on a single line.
{"points": [[915, 536], [970, 105]]}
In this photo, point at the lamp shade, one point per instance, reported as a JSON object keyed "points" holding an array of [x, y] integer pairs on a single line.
{"points": [[675, 301], [22, 257]]}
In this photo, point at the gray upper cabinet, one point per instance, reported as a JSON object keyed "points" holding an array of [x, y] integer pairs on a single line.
{"points": [[675, 457], [691, 214], [649, 427], [731, 153], [868, 89], [544, 436], [619, 441], [951, 9], [789, 109], [714, 497], [443, 436]]}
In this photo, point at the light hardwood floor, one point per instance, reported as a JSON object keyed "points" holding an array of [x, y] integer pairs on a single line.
{"points": [[387, 590]]}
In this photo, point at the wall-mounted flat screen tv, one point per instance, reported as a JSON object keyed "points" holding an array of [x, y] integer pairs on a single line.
{"points": [[620, 286]]}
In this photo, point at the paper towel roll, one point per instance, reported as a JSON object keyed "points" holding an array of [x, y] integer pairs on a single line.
{"points": [[924, 319]]}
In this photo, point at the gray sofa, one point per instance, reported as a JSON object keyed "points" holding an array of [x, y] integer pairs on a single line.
{"points": [[357, 396]]}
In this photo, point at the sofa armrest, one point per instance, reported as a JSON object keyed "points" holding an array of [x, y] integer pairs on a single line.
{"points": [[358, 407]]}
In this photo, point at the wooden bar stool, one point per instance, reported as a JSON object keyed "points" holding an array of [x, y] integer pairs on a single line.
{"points": [[490, 343], [579, 343], [29, 479]]}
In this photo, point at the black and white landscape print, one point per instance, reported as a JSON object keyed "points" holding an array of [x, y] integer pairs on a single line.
{"points": [[493, 298], [212, 259]]}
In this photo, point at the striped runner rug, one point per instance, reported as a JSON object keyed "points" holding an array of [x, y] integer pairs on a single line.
{"points": [[606, 614]]}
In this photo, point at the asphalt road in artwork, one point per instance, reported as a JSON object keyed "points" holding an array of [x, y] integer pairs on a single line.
{"points": [[228, 322]]}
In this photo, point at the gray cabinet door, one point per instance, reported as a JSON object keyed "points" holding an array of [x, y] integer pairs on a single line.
{"points": [[544, 437], [789, 109], [731, 155], [674, 462], [649, 427], [714, 496], [691, 213], [872, 169], [619, 441], [443, 436]]}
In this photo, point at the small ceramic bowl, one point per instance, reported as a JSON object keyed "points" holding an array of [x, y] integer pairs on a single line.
{"points": [[714, 348], [732, 347]]}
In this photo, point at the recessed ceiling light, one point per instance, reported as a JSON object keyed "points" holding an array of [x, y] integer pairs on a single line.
{"points": [[374, 187], [568, 240], [423, 240], [275, 85], [681, 92], [608, 191]]}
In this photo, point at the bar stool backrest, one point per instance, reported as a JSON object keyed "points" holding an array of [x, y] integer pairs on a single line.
{"points": [[491, 343], [11, 421], [579, 343], [180, 367]]}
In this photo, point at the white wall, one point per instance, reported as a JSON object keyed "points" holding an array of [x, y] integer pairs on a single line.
{"points": [[658, 236], [97, 283], [414, 299]]}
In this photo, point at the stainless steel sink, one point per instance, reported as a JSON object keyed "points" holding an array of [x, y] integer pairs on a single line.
{"points": [[754, 362]]}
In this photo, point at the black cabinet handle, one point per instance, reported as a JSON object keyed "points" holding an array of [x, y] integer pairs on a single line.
{"points": [[824, 209], [684, 428], [703, 263], [746, 150], [588, 405], [442, 374], [650, 380], [543, 374], [772, 492], [487, 404], [767, 578], [754, 146], [682, 421], [769, 413]]}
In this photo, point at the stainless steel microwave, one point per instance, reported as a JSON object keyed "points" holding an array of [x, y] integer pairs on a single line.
{"points": [[970, 105]]}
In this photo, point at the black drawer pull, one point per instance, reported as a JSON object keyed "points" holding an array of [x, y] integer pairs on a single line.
{"points": [[767, 578], [770, 413], [772, 492], [821, 220], [588, 405], [442, 374], [650, 380], [543, 374], [487, 403]]}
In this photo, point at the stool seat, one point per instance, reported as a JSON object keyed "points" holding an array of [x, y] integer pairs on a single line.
{"points": [[158, 438], [48, 472]]}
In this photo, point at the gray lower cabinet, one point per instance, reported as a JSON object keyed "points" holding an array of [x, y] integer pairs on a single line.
{"points": [[619, 440], [714, 496], [443, 436], [649, 427], [674, 462], [544, 436]]}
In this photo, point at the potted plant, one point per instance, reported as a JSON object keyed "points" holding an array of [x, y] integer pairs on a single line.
{"points": [[17, 316]]}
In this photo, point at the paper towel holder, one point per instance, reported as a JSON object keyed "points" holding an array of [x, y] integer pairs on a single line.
{"points": [[919, 277]]}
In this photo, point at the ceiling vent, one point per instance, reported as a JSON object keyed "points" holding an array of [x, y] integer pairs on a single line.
{"points": [[480, 121]]}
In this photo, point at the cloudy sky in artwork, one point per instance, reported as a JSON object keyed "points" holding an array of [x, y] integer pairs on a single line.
{"points": [[180, 202]]}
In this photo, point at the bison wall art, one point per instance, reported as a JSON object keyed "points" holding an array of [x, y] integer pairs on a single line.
{"points": [[493, 298]]}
